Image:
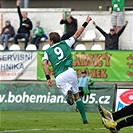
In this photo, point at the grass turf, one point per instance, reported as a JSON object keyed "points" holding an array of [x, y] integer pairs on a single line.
{"points": [[51, 122]]}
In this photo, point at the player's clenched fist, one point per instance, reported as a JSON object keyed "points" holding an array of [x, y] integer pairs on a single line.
{"points": [[88, 19], [18, 2], [49, 82]]}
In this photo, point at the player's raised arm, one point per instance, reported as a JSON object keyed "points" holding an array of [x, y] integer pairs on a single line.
{"points": [[81, 29]]}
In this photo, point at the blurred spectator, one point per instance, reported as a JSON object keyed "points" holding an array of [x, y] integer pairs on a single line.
{"points": [[117, 17], [25, 26], [71, 26], [38, 33], [84, 83], [7, 33], [111, 38]]}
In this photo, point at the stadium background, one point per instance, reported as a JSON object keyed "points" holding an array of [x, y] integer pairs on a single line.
{"points": [[91, 5], [46, 16]]}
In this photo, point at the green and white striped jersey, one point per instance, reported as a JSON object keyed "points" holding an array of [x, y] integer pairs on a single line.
{"points": [[60, 56]]}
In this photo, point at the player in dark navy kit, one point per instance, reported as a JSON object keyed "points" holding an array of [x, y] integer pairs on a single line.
{"points": [[109, 119]]}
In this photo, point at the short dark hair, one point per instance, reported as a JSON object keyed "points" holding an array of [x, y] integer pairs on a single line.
{"points": [[55, 37], [84, 72]]}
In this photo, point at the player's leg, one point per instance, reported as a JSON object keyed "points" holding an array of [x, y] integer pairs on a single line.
{"points": [[73, 80], [69, 97], [67, 92], [81, 94], [114, 20], [81, 108], [126, 111], [105, 113], [68, 82], [65, 87], [110, 118], [110, 124], [125, 123], [120, 18], [114, 127]]}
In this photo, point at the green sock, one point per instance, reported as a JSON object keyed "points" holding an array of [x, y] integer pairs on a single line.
{"points": [[81, 108]]}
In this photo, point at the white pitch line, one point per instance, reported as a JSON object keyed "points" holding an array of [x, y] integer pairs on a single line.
{"points": [[15, 131], [59, 129], [75, 129]]}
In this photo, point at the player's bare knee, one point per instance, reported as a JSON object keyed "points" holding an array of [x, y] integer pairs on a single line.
{"points": [[76, 96]]}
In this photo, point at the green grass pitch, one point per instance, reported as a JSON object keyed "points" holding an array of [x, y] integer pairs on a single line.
{"points": [[51, 122]]}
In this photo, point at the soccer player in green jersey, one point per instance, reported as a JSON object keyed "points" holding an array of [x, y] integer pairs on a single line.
{"points": [[59, 55]]}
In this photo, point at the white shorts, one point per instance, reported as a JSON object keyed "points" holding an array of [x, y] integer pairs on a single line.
{"points": [[67, 80], [117, 18]]}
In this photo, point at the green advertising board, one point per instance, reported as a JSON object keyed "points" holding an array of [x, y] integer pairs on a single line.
{"points": [[100, 65], [41, 97]]}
